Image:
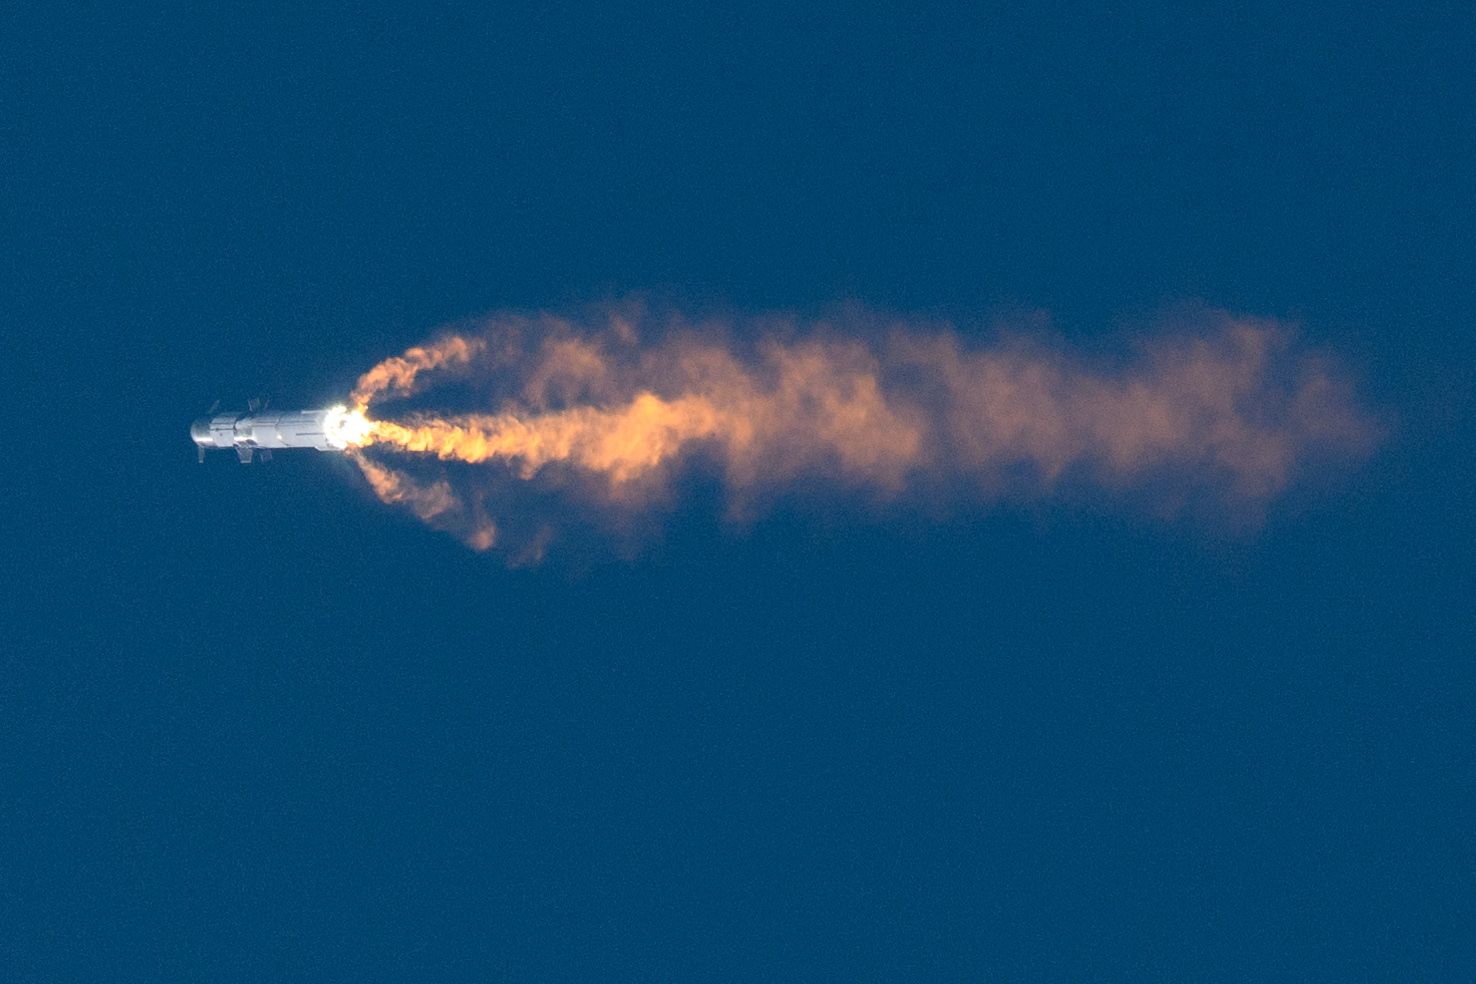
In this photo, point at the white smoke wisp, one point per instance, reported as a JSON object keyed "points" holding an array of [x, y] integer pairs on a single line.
{"points": [[609, 411]]}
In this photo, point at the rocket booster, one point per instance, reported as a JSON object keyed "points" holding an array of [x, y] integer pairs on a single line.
{"points": [[253, 433]]}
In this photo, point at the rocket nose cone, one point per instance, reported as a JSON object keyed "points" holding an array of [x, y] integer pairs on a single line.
{"points": [[200, 432]]}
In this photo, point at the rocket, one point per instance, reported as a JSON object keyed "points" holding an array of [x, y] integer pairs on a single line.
{"points": [[255, 432]]}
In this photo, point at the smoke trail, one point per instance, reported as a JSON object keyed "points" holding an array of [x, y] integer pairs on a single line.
{"points": [[434, 503], [396, 376], [595, 414]]}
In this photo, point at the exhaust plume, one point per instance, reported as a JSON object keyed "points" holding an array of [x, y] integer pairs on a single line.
{"points": [[606, 414]]}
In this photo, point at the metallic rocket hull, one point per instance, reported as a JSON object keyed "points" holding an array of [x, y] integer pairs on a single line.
{"points": [[250, 434]]}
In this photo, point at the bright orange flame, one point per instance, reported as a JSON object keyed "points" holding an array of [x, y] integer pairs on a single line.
{"points": [[623, 442], [1229, 405]]}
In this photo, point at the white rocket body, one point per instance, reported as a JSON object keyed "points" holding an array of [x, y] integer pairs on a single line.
{"points": [[261, 433]]}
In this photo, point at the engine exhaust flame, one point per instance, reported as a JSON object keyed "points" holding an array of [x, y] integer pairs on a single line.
{"points": [[1228, 406], [347, 428]]}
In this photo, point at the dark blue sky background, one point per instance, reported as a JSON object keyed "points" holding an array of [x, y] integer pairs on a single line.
{"points": [[255, 726]]}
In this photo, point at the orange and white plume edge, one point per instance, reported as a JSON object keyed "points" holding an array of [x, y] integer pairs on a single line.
{"points": [[598, 413]]}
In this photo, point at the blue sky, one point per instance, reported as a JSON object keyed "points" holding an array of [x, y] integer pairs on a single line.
{"points": [[255, 725]]}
